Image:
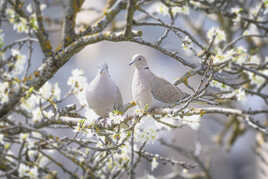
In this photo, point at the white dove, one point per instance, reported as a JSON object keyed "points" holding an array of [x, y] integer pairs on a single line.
{"points": [[148, 88], [103, 96]]}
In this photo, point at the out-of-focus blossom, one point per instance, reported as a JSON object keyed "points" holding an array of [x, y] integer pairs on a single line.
{"points": [[29, 8], [192, 121], [1, 138], [220, 57], [4, 92], [241, 56], [255, 59], [220, 35], [20, 62], [240, 94], [43, 7], [252, 30], [57, 91], [24, 137], [37, 114], [49, 114], [181, 10], [30, 103], [253, 11], [187, 44], [45, 91], [255, 79], [164, 10], [219, 85], [77, 81], [237, 11], [154, 163], [26, 171]]}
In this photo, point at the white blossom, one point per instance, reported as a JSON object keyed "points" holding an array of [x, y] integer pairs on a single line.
{"points": [[241, 56], [181, 10], [255, 59], [30, 143], [37, 115], [20, 62], [30, 103], [90, 115], [43, 161], [11, 15], [4, 92], [32, 153], [23, 170], [45, 91], [57, 91], [9, 154], [33, 22], [29, 8], [24, 137], [33, 173], [256, 79], [115, 117], [240, 94], [1, 138], [187, 44], [43, 7], [164, 10], [254, 10], [252, 30], [81, 96], [77, 81], [219, 85], [220, 35], [26, 171], [237, 11], [36, 135], [49, 114], [21, 26], [146, 133], [222, 57], [192, 121], [154, 163]]}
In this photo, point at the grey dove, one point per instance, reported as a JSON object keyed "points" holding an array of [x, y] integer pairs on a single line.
{"points": [[147, 87], [103, 95]]}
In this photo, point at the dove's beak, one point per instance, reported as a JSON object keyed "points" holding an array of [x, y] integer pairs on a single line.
{"points": [[131, 62]]}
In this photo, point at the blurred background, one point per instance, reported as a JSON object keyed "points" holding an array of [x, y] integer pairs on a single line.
{"points": [[239, 162]]}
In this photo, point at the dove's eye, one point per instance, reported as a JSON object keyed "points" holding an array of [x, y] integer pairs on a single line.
{"points": [[139, 58]]}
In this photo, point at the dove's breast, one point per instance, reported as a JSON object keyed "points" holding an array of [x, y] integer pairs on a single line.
{"points": [[141, 89], [103, 96]]}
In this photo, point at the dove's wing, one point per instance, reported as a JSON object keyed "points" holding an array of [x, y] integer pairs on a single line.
{"points": [[164, 91], [118, 99]]}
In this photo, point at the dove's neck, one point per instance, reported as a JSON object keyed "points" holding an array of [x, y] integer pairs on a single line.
{"points": [[104, 76]]}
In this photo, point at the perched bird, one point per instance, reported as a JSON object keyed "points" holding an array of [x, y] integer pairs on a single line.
{"points": [[147, 87], [103, 96]]}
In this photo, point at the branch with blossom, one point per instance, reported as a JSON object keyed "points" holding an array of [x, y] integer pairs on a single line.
{"points": [[230, 63]]}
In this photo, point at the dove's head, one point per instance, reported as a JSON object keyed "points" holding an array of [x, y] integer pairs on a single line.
{"points": [[138, 61], [103, 69]]}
